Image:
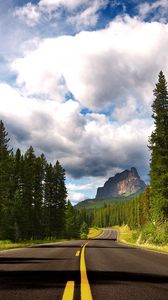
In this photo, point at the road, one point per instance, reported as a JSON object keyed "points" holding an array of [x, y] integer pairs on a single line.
{"points": [[102, 269]]}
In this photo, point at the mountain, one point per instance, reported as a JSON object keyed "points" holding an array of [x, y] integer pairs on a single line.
{"points": [[122, 184], [122, 187]]}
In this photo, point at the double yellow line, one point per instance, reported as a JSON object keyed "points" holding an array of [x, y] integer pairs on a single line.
{"points": [[69, 290], [84, 285]]}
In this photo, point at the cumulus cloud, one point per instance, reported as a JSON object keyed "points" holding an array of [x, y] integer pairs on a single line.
{"points": [[87, 145], [28, 13], [89, 16], [53, 4], [108, 146], [157, 11], [52, 126], [101, 68], [79, 13], [76, 197], [78, 192], [75, 187]]}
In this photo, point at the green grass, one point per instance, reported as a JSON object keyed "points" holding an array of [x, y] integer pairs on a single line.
{"points": [[133, 237], [5, 245], [94, 232]]}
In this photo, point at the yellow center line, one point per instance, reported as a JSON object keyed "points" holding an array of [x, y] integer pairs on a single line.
{"points": [[69, 291], [77, 253], [85, 287]]}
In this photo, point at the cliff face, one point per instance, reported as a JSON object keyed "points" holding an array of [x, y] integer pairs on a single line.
{"points": [[122, 184]]}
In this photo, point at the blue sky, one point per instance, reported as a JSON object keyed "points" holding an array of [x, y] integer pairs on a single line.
{"points": [[76, 82]]}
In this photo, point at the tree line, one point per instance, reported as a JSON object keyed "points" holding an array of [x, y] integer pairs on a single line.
{"points": [[33, 196], [134, 212]]}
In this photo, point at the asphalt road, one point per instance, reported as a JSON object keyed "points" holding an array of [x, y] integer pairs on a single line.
{"points": [[114, 271]]}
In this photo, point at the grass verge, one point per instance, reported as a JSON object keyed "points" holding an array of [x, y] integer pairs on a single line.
{"points": [[133, 238], [6, 245], [94, 232]]}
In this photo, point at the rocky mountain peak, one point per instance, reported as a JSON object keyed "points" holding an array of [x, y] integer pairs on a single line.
{"points": [[122, 184]]}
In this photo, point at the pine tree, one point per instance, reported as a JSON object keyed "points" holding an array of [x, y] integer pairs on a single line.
{"points": [[28, 192], [18, 196], [84, 230], [72, 222], [5, 183], [48, 200], [60, 194], [38, 196], [4, 164], [159, 153], [55, 200]]}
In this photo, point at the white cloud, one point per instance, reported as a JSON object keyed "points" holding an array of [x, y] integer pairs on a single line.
{"points": [[158, 8], [28, 13], [79, 13], [39, 74], [100, 68], [89, 16], [53, 4], [127, 110], [40, 118], [86, 145], [77, 187], [76, 197]]}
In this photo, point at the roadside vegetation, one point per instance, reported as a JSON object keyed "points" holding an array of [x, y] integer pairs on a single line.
{"points": [[6, 244], [135, 238], [94, 232], [85, 233]]}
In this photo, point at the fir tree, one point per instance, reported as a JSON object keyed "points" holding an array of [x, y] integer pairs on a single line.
{"points": [[72, 222], [60, 194], [18, 196], [38, 196], [159, 153], [28, 192], [5, 183], [48, 200]]}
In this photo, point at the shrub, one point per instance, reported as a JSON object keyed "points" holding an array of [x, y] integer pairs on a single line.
{"points": [[156, 234]]}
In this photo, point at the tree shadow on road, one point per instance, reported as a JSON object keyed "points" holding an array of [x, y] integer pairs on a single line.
{"points": [[36, 279], [29, 260], [46, 279], [101, 277]]}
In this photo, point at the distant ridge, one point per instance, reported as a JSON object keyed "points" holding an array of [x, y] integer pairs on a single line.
{"points": [[98, 203]]}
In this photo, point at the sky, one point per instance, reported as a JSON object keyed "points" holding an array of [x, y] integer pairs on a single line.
{"points": [[77, 80]]}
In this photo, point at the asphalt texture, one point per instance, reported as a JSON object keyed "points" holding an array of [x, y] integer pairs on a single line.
{"points": [[114, 271]]}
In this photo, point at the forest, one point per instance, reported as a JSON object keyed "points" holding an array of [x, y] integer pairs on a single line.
{"points": [[33, 194]]}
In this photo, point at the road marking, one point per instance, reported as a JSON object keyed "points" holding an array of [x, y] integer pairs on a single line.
{"points": [[69, 291], [77, 253], [85, 287]]}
